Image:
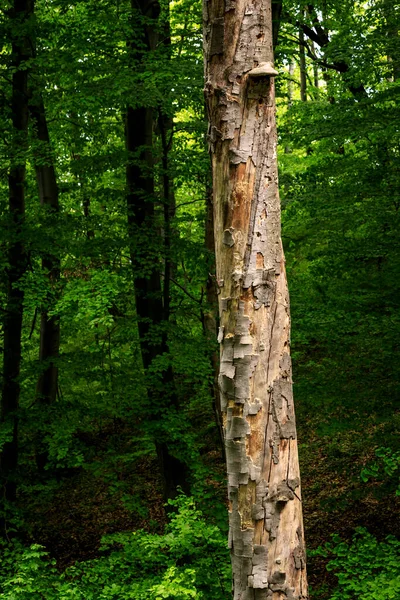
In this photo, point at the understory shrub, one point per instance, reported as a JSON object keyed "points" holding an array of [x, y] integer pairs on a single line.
{"points": [[367, 569], [190, 560]]}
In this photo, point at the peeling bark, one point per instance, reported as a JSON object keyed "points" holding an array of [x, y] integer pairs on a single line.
{"points": [[266, 530]]}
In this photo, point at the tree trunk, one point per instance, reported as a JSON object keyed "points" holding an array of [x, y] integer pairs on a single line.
{"points": [[210, 318], [49, 347], [152, 301], [315, 72], [303, 68], [266, 529], [392, 32], [290, 95], [17, 255], [48, 194]]}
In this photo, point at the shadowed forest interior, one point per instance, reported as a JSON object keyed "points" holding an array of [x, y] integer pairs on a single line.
{"points": [[112, 462]]}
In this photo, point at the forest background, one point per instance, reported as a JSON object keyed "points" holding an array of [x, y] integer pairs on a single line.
{"points": [[108, 296]]}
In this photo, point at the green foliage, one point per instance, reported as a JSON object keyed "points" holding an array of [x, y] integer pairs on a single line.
{"points": [[388, 464], [190, 560], [367, 569], [339, 177]]}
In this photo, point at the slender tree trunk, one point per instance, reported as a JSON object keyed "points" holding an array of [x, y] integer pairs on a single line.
{"points": [[290, 95], [49, 348], [315, 72], [392, 31], [266, 530], [165, 126], [17, 255], [303, 68], [48, 194], [152, 301], [276, 20], [210, 318]]}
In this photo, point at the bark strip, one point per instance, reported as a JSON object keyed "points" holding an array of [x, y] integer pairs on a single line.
{"points": [[266, 529]]}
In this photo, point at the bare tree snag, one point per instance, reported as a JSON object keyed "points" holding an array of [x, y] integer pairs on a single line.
{"points": [[266, 528]]}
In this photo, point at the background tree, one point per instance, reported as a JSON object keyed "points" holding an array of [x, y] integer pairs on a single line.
{"points": [[18, 26]]}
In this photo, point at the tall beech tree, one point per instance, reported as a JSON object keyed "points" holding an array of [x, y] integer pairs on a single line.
{"points": [[266, 528]]}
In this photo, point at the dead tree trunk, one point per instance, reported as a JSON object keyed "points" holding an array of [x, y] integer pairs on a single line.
{"points": [[21, 13], [266, 529]]}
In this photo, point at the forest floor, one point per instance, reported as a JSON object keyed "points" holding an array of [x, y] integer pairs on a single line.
{"points": [[83, 506]]}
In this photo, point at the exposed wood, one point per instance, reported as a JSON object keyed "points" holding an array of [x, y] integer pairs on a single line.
{"points": [[266, 530]]}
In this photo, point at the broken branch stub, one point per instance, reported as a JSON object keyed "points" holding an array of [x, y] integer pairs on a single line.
{"points": [[266, 530]]}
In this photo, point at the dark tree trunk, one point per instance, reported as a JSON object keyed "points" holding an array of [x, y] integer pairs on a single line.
{"points": [[392, 32], [49, 348], [315, 72], [290, 96], [152, 300], [303, 68], [165, 126], [210, 318], [276, 20], [48, 195], [17, 255]]}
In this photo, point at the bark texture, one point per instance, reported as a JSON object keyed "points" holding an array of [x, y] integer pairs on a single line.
{"points": [[266, 529]]}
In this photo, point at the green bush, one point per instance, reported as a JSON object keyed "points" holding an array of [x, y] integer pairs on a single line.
{"points": [[190, 560], [388, 465], [367, 569]]}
